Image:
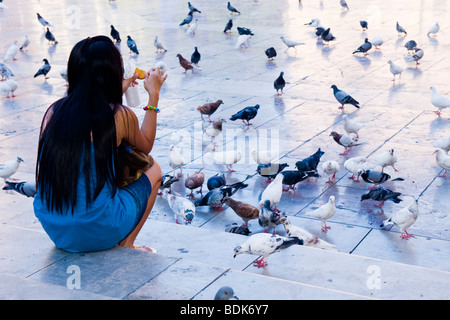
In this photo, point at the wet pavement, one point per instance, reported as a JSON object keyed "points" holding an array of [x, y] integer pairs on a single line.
{"points": [[194, 261]]}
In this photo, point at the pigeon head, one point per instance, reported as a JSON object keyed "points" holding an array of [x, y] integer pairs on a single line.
{"points": [[334, 134], [19, 159], [331, 199], [225, 293], [365, 197], [256, 106], [189, 214], [237, 251], [128, 37], [334, 88]]}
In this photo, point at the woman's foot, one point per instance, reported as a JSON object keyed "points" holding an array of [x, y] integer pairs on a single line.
{"points": [[144, 248]]}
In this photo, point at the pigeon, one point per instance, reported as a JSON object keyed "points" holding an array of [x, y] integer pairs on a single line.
{"points": [[44, 70], [279, 83], [25, 188], [166, 183], [272, 192], [11, 52], [319, 31], [327, 36], [443, 143], [5, 72], [192, 8], [209, 108], [50, 37], [400, 29], [310, 163], [439, 101], [395, 69], [158, 45], [352, 126], [232, 9], [194, 181], [263, 244], [364, 48], [291, 43], [2, 5], [356, 164], [443, 161], [216, 197], [115, 34], [243, 30], [24, 43], [264, 156], [309, 239], [228, 26], [270, 53], [242, 41], [434, 29], [132, 45], [344, 5], [214, 129], [162, 66], [244, 210], [216, 181], [246, 114], [176, 160], [324, 213], [225, 293], [42, 21], [313, 23], [187, 65], [330, 167], [416, 56], [227, 158], [387, 158], [376, 41], [346, 141], [376, 177], [292, 177], [404, 219], [192, 27], [8, 168], [182, 208], [382, 194], [268, 218], [9, 86], [238, 229], [187, 20], [344, 98], [411, 45], [196, 56], [270, 170], [364, 25]]}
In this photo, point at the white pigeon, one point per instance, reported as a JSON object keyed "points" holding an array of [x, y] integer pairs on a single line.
{"points": [[415, 57], [273, 192], [309, 239], [176, 160], [290, 43], [330, 167], [228, 157], [395, 69], [181, 207], [324, 213], [352, 126], [8, 168], [5, 72], [162, 66], [3, 6], [264, 156], [438, 100], [158, 45], [4, 89], [242, 40], [356, 164], [443, 143], [386, 159], [24, 43], [377, 41], [11, 87], [443, 161], [264, 244], [11, 52], [434, 29], [404, 219], [192, 27], [214, 129], [314, 23]]}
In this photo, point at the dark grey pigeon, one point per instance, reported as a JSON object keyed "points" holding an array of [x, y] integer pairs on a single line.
{"points": [[327, 36], [44, 69], [364, 25], [270, 170], [231, 8], [243, 30], [50, 37], [228, 26], [400, 29], [132, 45], [376, 177], [246, 114], [195, 57], [279, 83], [216, 182], [310, 163], [366, 46], [319, 31], [411, 45], [187, 20], [115, 34], [344, 98], [292, 177], [271, 53], [382, 194], [216, 197], [269, 218], [192, 8]]}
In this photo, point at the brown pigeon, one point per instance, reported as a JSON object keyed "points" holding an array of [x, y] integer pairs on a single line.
{"points": [[194, 181], [243, 210], [346, 141], [186, 64], [209, 108]]}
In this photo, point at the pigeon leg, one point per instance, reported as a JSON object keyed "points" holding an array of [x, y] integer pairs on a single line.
{"points": [[325, 227], [372, 187], [341, 107], [200, 191], [352, 177], [444, 174], [230, 170], [190, 194], [260, 263], [329, 180], [285, 189], [345, 152], [380, 204], [438, 112], [406, 235]]}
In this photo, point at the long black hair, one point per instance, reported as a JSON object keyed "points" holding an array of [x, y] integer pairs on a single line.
{"points": [[84, 116]]}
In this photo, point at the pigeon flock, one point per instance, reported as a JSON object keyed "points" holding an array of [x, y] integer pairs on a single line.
{"points": [[280, 180]]}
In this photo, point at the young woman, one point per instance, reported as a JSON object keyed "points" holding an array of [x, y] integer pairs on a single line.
{"points": [[80, 200]]}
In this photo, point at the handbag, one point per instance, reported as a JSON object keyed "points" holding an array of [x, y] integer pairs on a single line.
{"points": [[134, 163]]}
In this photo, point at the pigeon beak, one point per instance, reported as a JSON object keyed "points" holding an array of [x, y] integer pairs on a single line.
{"points": [[235, 297], [234, 255]]}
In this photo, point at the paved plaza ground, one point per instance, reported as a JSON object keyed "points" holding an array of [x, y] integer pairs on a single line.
{"points": [[194, 261]]}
